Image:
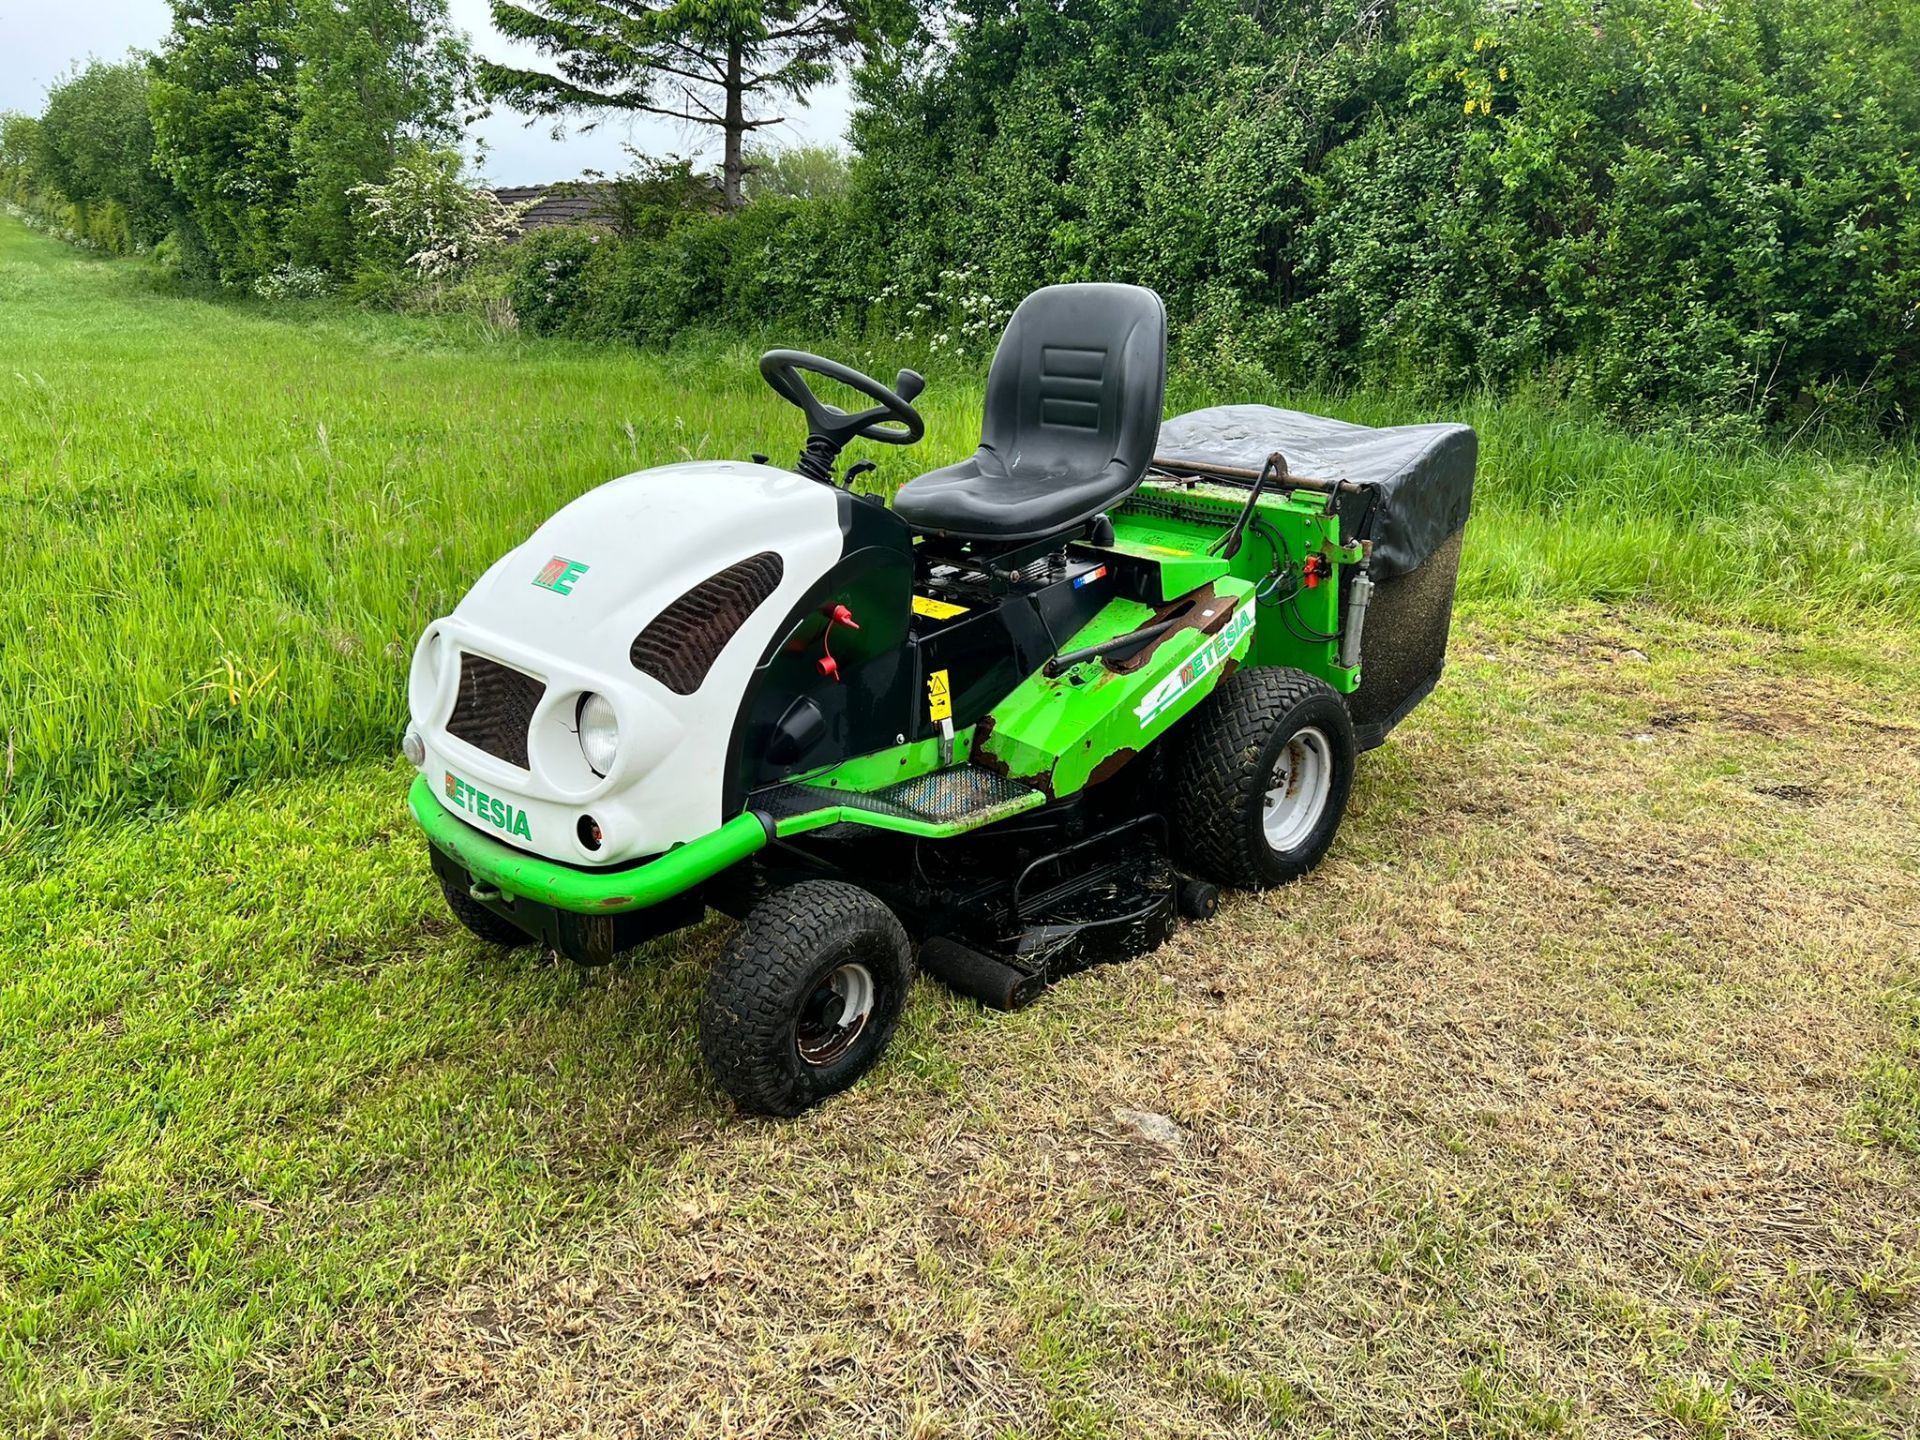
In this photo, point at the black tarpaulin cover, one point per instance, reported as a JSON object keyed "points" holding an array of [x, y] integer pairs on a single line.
{"points": [[1422, 474]]}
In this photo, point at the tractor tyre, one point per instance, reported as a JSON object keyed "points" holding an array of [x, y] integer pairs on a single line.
{"points": [[1262, 777], [805, 997], [480, 921]]}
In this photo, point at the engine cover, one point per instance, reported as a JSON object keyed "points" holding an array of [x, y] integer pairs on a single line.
{"points": [[496, 687]]}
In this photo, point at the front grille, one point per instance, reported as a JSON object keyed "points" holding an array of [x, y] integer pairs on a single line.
{"points": [[680, 644], [495, 708]]}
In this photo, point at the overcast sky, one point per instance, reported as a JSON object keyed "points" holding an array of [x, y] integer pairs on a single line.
{"points": [[41, 39]]}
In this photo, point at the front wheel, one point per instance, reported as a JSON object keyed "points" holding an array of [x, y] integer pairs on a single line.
{"points": [[1262, 778], [805, 996]]}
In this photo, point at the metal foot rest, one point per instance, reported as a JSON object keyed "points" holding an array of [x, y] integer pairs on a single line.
{"points": [[964, 797]]}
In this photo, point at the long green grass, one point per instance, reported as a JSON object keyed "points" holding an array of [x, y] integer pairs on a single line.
{"points": [[230, 521]]}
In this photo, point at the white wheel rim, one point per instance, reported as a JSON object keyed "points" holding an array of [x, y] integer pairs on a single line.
{"points": [[1302, 780], [822, 1044]]}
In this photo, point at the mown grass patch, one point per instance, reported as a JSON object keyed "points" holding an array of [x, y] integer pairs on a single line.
{"points": [[1498, 1125], [1891, 1106]]}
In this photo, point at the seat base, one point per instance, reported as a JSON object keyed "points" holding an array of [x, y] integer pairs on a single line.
{"points": [[976, 501]]}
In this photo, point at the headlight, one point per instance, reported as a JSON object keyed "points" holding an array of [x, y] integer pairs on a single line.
{"points": [[599, 733]]}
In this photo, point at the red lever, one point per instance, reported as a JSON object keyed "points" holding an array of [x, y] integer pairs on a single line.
{"points": [[1315, 567], [827, 665]]}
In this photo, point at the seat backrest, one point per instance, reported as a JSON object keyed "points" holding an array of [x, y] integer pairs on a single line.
{"points": [[1078, 381]]}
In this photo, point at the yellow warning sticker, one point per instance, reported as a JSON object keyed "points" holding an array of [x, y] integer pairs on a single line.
{"points": [[939, 697], [936, 609]]}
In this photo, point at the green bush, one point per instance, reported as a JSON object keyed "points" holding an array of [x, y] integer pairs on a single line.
{"points": [[95, 143], [1666, 205], [1658, 207], [546, 279]]}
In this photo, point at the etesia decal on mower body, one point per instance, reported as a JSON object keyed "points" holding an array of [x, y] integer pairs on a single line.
{"points": [[1196, 668], [490, 808], [558, 575]]}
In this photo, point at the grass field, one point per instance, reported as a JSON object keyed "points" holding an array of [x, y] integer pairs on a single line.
{"points": [[1578, 1093]]}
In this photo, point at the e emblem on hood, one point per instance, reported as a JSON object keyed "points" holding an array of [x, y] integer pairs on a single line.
{"points": [[558, 575]]}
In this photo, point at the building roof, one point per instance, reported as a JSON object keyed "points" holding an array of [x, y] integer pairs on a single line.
{"points": [[575, 202]]}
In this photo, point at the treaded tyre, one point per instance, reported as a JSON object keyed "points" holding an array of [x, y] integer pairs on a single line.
{"points": [[805, 996], [1262, 778], [479, 920]]}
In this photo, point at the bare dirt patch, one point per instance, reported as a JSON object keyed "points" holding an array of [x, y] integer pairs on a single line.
{"points": [[1536, 1110]]}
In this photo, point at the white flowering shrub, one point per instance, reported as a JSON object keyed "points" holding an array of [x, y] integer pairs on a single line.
{"points": [[432, 217], [293, 282], [960, 315]]}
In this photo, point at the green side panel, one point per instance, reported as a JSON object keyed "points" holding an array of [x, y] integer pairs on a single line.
{"points": [[1178, 551], [585, 891], [1059, 733], [1290, 526]]}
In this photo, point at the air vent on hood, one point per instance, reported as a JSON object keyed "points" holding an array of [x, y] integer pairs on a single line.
{"points": [[681, 643], [494, 708]]}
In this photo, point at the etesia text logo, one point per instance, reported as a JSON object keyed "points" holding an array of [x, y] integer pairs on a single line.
{"points": [[558, 575], [490, 808], [1202, 663]]}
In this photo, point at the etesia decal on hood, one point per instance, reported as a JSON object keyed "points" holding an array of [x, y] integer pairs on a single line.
{"points": [[1195, 668], [490, 808], [558, 575]]}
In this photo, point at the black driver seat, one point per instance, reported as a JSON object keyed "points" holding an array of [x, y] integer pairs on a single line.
{"points": [[1072, 411]]}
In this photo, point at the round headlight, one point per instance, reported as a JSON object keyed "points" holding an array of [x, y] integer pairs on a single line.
{"points": [[599, 733]]}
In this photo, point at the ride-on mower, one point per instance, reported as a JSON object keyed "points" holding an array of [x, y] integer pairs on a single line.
{"points": [[1022, 718]]}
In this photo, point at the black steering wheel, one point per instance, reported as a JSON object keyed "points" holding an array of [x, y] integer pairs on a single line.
{"points": [[891, 421]]}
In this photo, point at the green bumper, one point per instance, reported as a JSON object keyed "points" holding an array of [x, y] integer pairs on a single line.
{"points": [[590, 892]]}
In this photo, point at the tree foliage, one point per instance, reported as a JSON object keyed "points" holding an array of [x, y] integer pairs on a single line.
{"points": [[1668, 203], [96, 146], [267, 114], [377, 79], [223, 118], [796, 172], [19, 156], [706, 63]]}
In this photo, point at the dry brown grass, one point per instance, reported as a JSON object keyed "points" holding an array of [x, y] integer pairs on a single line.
{"points": [[1533, 1111]]}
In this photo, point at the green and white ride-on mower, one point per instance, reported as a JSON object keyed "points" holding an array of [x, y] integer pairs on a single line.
{"points": [[1018, 721]]}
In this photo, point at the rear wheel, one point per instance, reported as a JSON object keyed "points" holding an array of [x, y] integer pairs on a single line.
{"points": [[1262, 778], [805, 997]]}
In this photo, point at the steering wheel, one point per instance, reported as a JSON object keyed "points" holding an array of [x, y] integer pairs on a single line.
{"points": [[891, 421]]}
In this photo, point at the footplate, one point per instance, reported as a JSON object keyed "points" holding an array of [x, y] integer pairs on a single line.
{"points": [[943, 803]]}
